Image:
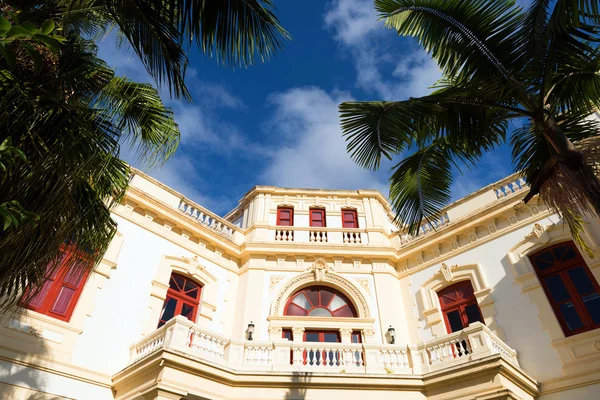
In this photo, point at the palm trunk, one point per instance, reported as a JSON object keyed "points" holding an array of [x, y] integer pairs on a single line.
{"points": [[570, 156]]}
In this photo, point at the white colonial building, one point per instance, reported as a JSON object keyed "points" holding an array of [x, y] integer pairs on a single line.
{"points": [[315, 294]]}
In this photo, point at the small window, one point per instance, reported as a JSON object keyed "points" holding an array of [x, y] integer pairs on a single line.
{"points": [[285, 216], [459, 306], [183, 298], [570, 287], [317, 218], [60, 291], [349, 219], [287, 334]]}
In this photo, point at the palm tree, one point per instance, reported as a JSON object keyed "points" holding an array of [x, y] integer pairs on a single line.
{"points": [[499, 63], [64, 114], [234, 32]]}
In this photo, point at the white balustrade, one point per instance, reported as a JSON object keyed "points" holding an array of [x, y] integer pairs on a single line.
{"points": [[207, 219], [448, 350], [179, 334], [317, 236], [150, 344], [284, 235], [258, 354], [203, 343], [352, 237], [508, 188], [394, 358]]}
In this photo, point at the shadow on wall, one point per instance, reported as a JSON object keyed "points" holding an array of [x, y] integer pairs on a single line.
{"points": [[297, 390], [522, 327], [17, 380]]}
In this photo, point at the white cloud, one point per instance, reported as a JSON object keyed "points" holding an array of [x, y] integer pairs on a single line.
{"points": [[355, 26], [314, 154]]}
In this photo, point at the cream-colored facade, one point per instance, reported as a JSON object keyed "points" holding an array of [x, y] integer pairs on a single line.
{"points": [[249, 267]]}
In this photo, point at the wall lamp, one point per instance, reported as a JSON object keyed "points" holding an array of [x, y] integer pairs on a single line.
{"points": [[250, 330], [392, 334]]}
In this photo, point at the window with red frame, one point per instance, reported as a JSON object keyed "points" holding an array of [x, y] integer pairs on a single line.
{"points": [[459, 306], [570, 287], [317, 218], [285, 216], [349, 219], [183, 298], [319, 301], [58, 295]]}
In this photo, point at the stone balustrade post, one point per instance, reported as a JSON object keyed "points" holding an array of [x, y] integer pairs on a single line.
{"points": [[234, 354], [178, 333], [418, 359], [479, 340], [282, 356]]}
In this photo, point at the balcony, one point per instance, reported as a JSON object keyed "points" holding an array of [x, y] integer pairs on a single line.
{"points": [[180, 335], [311, 235]]}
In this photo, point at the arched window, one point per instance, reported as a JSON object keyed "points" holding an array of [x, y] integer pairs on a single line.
{"points": [[319, 301], [183, 298], [459, 306], [570, 287]]}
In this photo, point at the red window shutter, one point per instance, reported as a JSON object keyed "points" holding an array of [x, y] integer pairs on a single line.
{"points": [[59, 293], [69, 290], [317, 218], [349, 219], [285, 216]]}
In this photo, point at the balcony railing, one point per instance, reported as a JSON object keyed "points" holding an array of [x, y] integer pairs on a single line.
{"points": [[207, 219], [179, 334], [318, 235]]}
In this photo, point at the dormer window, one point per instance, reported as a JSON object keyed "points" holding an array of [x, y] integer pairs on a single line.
{"points": [[285, 216], [317, 218], [349, 219]]}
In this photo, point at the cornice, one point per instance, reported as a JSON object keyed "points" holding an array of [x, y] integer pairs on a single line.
{"points": [[165, 211], [407, 257]]}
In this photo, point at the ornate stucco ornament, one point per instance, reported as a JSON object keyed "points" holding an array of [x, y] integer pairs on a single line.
{"points": [[319, 268], [274, 281], [446, 271], [538, 234], [195, 261]]}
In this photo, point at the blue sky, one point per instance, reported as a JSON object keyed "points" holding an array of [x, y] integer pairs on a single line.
{"points": [[277, 123]]}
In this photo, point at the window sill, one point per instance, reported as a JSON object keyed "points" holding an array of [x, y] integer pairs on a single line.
{"points": [[568, 340], [578, 350], [29, 315]]}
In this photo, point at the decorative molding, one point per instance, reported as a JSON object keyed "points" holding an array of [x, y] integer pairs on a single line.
{"points": [[320, 272], [364, 283], [274, 281], [193, 268], [319, 268], [446, 276], [446, 272], [275, 329]]}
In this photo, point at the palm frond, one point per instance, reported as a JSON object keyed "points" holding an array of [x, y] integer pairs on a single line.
{"points": [[235, 32], [420, 183], [380, 129], [466, 38], [138, 112]]}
